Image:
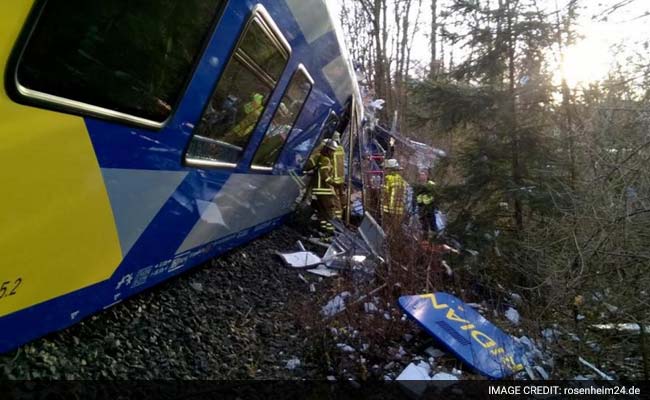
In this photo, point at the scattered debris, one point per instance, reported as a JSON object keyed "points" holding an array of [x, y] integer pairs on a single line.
{"points": [[628, 327], [551, 334], [471, 337], [323, 271], [336, 305], [413, 372], [596, 370], [293, 363], [450, 272], [415, 378], [370, 308], [516, 298], [512, 315], [345, 348], [443, 376], [433, 352], [301, 259]]}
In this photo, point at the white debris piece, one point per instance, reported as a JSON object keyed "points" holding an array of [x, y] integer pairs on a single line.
{"points": [[433, 352], [443, 376], [377, 104], [370, 308], [450, 272], [293, 363], [516, 298], [414, 372], [451, 249], [345, 348], [415, 378], [629, 327], [550, 334], [312, 288], [336, 305], [322, 270], [331, 378], [512, 315], [300, 259], [596, 370]]}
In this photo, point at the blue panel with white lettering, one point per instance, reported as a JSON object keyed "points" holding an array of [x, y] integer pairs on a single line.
{"points": [[465, 333]]}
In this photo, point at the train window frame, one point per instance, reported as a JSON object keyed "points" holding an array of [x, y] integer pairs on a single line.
{"points": [[300, 69], [261, 16], [30, 97]]}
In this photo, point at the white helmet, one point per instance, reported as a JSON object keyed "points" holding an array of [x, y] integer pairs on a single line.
{"points": [[331, 144], [391, 164]]}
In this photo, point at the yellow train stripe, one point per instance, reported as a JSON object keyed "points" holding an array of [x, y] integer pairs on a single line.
{"points": [[57, 232]]}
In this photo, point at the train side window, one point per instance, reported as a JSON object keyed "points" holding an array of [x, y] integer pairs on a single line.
{"points": [[241, 96], [284, 119], [120, 60]]}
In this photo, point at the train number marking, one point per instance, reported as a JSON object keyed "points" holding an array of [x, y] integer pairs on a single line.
{"points": [[10, 288]]}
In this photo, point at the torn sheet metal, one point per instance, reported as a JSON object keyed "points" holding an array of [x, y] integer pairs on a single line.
{"points": [[350, 243], [323, 271], [466, 333], [373, 235], [300, 259]]}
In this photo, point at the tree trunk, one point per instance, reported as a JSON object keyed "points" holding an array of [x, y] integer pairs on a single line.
{"points": [[435, 65]]}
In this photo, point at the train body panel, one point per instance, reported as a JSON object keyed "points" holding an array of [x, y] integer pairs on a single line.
{"points": [[56, 210], [97, 209]]}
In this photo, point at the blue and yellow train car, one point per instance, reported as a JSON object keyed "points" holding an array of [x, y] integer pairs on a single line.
{"points": [[142, 138]]}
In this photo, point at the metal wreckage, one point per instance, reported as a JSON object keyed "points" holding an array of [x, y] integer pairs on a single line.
{"points": [[454, 325]]}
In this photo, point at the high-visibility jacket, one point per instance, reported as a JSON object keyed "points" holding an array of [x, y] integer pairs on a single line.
{"points": [[338, 166], [324, 182], [393, 193], [252, 110], [312, 162]]}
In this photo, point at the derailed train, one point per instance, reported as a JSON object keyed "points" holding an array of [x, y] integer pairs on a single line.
{"points": [[142, 138]]}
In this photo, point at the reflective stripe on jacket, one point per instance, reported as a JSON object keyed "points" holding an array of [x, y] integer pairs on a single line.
{"points": [[339, 166], [324, 178]]}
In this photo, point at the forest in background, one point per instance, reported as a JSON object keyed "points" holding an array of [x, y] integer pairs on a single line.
{"points": [[548, 182]]}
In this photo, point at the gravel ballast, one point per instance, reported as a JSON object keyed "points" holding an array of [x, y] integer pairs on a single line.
{"points": [[228, 319]]}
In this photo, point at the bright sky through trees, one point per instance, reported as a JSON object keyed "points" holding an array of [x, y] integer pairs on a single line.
{"points": [[611, 31]]}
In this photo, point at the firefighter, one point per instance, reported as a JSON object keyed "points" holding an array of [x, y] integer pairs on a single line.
{"points": [[425, 204], [393, 193], [252, 112], [327, 203]]}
